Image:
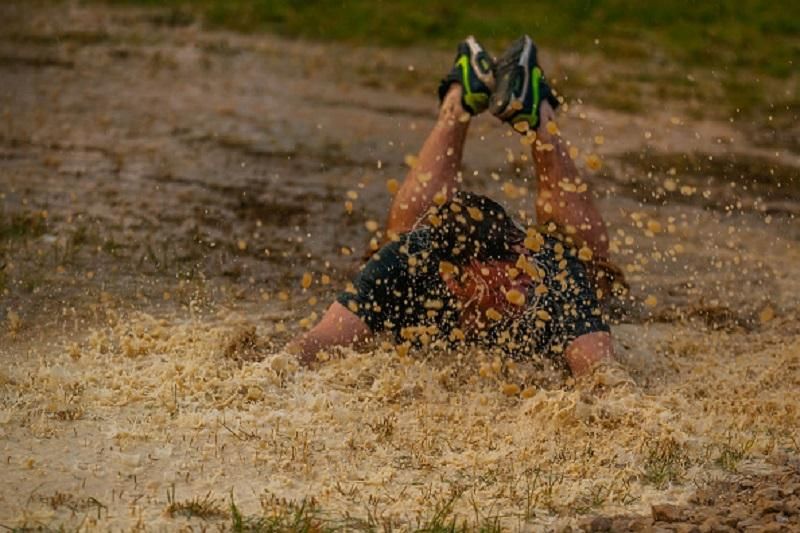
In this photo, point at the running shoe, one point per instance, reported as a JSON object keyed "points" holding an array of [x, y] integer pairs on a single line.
{"points": [[521, 86], [473, 69]]}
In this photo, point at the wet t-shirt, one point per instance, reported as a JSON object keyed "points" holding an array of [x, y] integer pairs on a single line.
{"points": [[400, 289]]}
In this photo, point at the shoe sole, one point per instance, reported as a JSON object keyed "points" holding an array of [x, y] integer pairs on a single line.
{"points": [[513, 65], [483, 72]]}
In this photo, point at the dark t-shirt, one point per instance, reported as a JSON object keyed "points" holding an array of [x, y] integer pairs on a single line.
{"points": [[401, 288]]}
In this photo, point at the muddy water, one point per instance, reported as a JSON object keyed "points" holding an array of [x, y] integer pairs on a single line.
{"points": [[163, 191]]}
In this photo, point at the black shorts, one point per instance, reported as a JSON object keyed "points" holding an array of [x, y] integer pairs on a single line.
{"points": [[400, 287]]}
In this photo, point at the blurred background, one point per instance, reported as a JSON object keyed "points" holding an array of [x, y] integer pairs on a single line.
{"points": [[743, 53]]}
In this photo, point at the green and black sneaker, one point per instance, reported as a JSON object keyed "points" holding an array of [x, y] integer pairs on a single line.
{"points": [[473, 69], [521, 86]]}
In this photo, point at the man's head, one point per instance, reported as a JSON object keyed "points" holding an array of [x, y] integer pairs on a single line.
{"points": [[472, 226]]}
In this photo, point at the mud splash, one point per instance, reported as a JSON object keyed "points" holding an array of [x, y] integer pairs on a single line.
{"points": [[153, 405]]}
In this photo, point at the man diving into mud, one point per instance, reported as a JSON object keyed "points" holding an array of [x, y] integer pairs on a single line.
{"points": [[458, 267]]}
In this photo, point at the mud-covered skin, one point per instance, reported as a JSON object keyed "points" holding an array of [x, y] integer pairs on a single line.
{"points": [[402, 287]]}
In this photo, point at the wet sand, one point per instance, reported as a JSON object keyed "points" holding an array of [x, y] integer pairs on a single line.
{"points": [[164, 189]]}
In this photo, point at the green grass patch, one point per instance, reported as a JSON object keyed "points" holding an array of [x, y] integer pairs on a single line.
{"points": [[285, 516], [207, 508], [22, 225], [665, 462], [300, 517], [733, 451]]}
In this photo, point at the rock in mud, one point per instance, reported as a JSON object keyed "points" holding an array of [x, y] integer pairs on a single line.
{"points": [[666, 513], [599, 524]]}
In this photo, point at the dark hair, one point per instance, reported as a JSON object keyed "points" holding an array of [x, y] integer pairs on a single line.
{"points": [[470, 226]]}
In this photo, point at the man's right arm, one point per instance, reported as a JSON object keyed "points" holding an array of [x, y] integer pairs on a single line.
{"points": [[361, 311], [338, 327]]}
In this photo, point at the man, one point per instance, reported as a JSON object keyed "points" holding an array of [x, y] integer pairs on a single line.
{"points": [[459, 268]]}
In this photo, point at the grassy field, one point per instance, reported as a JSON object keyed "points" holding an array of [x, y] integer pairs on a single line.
{"points": [[721, 59], [759, 34]]}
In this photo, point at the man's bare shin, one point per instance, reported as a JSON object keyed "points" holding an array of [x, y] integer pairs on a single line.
{"points": [[563, 197], [437, 165]]}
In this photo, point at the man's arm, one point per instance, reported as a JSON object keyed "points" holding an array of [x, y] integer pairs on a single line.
{"points": [[587, 350], [338, 327]]}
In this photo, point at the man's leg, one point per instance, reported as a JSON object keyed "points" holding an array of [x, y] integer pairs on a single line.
{"points": [[563, 197], [437, 165]]}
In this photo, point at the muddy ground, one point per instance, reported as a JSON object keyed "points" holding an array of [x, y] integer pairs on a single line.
{"points": [[163, 189]]}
